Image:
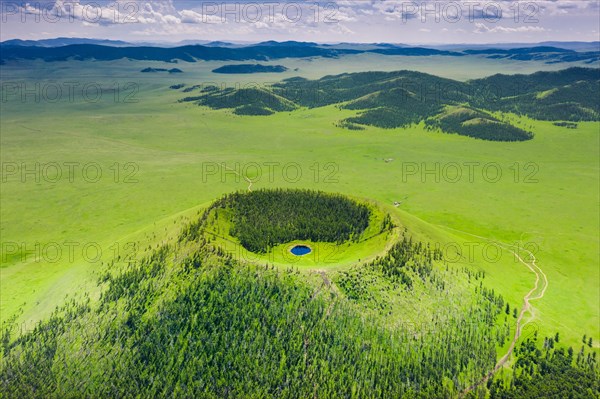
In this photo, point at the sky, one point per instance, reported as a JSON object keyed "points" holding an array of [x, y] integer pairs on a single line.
{"points": [[360, 21]]}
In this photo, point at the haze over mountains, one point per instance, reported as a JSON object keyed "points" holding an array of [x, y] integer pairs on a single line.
{"points": [[61, 49], [65, 41]]}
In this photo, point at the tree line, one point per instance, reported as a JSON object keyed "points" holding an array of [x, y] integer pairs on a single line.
{"points": [[263, 219]]}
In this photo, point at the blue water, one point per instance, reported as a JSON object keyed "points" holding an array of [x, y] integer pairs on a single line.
{"points": [[300, 250]]}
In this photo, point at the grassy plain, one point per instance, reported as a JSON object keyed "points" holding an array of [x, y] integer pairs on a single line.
{"points": [[169, 155]]}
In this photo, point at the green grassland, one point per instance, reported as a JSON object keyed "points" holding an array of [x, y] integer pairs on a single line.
{"points": [[546, 198]]}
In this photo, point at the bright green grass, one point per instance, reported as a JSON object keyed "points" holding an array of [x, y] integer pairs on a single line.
{"points": [[171, 143]]}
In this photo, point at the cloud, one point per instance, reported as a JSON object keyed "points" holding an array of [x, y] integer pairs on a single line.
{"points": [[562, 7], [393, 10], [377, 20], [495, 13], [93, 13], [482, 28]]}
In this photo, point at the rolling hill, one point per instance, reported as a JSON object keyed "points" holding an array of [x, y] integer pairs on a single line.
{"points": [[399, 99]]}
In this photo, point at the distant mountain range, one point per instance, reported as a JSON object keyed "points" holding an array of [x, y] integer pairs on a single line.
{"points": [[62, 49], [250, 68], [576, 46], [64, 41]]}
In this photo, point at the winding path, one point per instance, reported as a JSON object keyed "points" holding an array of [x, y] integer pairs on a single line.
{"points": [[539, 275], [239, 174]]}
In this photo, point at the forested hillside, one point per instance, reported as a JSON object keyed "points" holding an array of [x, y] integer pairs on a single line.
{"points": [[188, 320], [550, 372], [475, 123], [398, 99]]}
